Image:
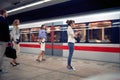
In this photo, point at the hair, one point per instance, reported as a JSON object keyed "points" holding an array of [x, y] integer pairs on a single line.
{"points": [[42, 26], [14, 22], [69, 22], [2, 11]]}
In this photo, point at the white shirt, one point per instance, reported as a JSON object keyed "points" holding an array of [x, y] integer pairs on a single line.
{"points": [[15, 34], [71, 34]]}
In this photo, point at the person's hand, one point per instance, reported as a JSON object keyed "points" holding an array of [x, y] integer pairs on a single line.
{"points": [[17, 41], [39, 41], [76, 34]]}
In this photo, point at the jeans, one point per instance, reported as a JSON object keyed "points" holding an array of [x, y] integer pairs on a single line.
{"points": [[71, 50]]}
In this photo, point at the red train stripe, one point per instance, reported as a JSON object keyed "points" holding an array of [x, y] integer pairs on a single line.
{"points": [[84, 48], [101, 49], [30, 45]]}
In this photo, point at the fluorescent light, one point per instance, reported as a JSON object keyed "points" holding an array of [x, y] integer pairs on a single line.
{"points": [[27, 6]]}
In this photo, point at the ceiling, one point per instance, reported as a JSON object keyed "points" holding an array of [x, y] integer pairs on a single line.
{"points": [[10, 4], [54, 8]]}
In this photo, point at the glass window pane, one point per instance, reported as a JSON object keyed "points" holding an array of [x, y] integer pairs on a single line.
{"points": [[34, 34], [48, 34], [81, 30], [25, 35], [100, 31]]}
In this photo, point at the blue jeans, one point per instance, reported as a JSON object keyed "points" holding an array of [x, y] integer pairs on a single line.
{"points": [[71, 50]]}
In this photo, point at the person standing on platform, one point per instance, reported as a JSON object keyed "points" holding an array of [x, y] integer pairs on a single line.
{"points": [[4, 34], [10, 52], [42, 38], [71, 41], [15, 34]]}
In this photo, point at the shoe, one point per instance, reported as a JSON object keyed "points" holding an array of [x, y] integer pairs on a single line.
{"points": [[38, 60], [13, 64], [43, 59], [0, 70], [70, 68], [17, 63]]}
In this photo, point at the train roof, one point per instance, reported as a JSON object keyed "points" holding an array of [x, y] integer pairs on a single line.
{"points": [[79, 18]]}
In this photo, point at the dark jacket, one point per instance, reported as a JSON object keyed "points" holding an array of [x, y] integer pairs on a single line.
{"points": [[4, 30]]}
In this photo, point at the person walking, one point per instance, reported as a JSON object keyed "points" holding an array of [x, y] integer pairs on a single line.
{"points": [[4, 34], [15, 34], [42, 38], [71, 41]]}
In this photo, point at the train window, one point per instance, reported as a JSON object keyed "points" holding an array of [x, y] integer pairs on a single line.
{"points": [[81, 29], [100, 31], [57, 36], [63, 33], [53, 34], [48, 34], [25, 35], [34, 34], [57, 33]]}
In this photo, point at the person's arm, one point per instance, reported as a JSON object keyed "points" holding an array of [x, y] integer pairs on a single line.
{"points": [[12, 35]]}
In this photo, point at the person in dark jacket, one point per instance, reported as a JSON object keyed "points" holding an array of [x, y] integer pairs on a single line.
{"points": [[4, 34]]}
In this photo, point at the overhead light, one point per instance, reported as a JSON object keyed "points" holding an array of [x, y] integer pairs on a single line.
{"points": [[29, 5]]}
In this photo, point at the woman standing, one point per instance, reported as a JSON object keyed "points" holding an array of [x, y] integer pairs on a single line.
{"points": [[15, 34], [71, 41], [42, 38], [10, 52]]}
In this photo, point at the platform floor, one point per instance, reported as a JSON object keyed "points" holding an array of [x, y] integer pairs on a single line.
{"points": [[54, 68]]}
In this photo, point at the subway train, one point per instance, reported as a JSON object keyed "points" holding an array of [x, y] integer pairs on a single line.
{"points": [[98, 39]]}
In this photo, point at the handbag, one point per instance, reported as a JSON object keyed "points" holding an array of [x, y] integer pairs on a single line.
{"points": [[10, 52]]}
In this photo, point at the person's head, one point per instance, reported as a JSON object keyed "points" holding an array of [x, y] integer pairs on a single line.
{"points": [[42, 26], [71, 23], [3, 13], [16, 22]]}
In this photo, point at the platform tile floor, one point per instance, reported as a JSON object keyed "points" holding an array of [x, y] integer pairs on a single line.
{"points": [[54, 68]]}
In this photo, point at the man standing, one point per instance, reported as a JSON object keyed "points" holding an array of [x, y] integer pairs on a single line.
{"points": [[4, 34]]}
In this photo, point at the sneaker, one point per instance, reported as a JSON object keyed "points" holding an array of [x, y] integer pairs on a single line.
{"points": [[43, 59], [37, 60], [17, 63], [70, 68]]}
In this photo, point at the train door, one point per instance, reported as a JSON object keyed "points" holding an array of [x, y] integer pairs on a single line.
{"points": [[53, 41], [49, 40]]}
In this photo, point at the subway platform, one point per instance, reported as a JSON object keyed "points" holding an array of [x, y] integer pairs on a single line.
{"points": [[54, 68]]}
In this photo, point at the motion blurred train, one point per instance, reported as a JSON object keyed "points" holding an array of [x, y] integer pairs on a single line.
{"points": [[99, 36]]}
